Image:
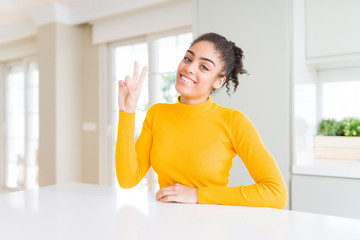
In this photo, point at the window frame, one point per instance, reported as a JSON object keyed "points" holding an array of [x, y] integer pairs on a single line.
{"points": [[2, 125], [25, 64]]}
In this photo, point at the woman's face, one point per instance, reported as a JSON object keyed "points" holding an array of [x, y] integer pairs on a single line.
{"points": [[198, 73]]}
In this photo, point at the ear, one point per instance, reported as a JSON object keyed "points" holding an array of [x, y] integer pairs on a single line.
{"points": [[219, 82]]}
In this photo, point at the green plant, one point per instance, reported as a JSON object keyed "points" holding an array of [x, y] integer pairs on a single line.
{"points": [[346, 127], [168, 86], [351, 126], [329, 127]]}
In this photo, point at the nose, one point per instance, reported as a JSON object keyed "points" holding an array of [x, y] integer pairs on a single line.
{"points": [[190, 68]]}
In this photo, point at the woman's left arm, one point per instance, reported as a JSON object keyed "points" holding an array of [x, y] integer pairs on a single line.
{"points": [[269, 189]]}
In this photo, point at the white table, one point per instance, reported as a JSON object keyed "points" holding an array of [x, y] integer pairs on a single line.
{"points": [[84, 211]]}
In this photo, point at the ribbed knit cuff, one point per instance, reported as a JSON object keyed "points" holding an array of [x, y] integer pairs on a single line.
{"points": [[208, 195], [126, 115]]}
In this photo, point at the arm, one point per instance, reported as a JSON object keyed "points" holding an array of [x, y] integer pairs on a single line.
{"points": [[269, 189], [132, 160], [130, 166]]}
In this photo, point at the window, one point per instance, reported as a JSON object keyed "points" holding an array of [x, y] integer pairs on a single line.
{"points": [[340, 93], [325, 86], [21, 121], [162, 54]]}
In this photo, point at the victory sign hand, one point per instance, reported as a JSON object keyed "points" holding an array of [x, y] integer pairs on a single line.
{"points": [[129, 90]]}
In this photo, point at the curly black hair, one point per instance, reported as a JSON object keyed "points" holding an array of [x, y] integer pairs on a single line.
{"points": [[231, 55]]}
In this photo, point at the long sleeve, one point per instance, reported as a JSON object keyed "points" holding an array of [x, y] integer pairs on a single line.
{"points": [[269, 189], [132, 161]]}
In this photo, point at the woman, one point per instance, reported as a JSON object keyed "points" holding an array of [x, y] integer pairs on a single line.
{"points": [[191, 144]]}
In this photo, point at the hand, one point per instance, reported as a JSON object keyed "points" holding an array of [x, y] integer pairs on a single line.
{"points": [[129, 90], [177, 193]]}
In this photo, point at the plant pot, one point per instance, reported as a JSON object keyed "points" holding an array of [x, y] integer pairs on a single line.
{"points": [[337, 147]]}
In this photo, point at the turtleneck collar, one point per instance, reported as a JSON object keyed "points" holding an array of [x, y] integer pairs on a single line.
{"points": [[193, 109]]}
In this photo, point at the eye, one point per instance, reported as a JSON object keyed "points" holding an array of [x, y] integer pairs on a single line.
{"points": [[204, 68], [186, 59]]}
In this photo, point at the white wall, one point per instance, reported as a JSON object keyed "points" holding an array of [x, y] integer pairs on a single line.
{"points": [[90, 108], [69, 92], [60, 73], [332, 27], [47, 104], [176, 15], [262, 29]]}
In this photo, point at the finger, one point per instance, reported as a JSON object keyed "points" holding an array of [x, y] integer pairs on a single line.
{"points": [[122, 83], [169, 199], [142, 77], [127, 79], [160, 194], [165, 191], [135, 72]]}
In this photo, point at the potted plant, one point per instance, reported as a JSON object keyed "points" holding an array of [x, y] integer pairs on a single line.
{"points": [[338, 139]]}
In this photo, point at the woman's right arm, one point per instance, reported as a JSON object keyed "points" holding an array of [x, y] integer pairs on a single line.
{"points": [[130, 166]]}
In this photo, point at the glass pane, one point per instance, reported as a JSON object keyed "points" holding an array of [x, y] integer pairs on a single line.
{"points": [[15, 176], [125, 56], [171, 51], [15, 150], [33, 99], [33, 126], [33, 74], [169, 58], [15, 125], [15, 163], [15, 100], [341, 99], [32, 154], [184, 40], [121, 62], [168, 90], [15, 78]]}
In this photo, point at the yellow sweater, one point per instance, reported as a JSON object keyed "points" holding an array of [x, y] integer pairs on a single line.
{"points": [[194, 145]]}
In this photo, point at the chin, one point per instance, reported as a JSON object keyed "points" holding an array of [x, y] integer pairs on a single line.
{"points": [[183, 90], [178, 89]]}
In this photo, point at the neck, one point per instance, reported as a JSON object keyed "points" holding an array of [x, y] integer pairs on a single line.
{"points": [[191, 101]]}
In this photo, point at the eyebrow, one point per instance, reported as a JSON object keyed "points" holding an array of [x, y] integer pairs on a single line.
{"points": [[206, 59]]}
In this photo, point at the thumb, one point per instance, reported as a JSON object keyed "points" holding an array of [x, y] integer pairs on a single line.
{"points": [[122, 83]]}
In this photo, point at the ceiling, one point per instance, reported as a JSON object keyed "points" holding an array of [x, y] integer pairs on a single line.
{"points": [[15, 11], [20, 18]]}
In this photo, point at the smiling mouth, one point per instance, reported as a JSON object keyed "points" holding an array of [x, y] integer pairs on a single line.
{"points": [[187, 80]]}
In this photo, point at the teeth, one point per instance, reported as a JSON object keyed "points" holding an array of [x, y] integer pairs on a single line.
{"points": [[187, 80]]}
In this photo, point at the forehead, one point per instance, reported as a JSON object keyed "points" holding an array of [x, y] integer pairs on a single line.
{"points": [[205, 49]]}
